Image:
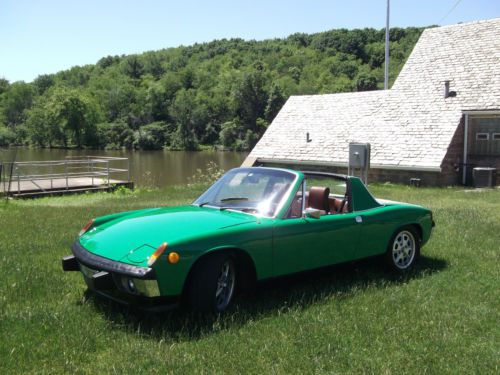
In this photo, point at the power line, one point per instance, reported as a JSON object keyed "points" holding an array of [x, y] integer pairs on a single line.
{"points": [[449, 12]]}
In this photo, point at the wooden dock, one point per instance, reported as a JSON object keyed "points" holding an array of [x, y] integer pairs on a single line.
{"points": [[69, 176]]}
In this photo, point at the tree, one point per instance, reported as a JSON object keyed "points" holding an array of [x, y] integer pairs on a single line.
{"points": [[182, 112], [229, 134], [274, 102], [4, 85], [40, 125], [65, 114], [133, 67], [250, 98], [7, 136], [152, 136], [43, 82], [19, 98], [366, 82], [108, 61], [153, 65], [79, 118]]}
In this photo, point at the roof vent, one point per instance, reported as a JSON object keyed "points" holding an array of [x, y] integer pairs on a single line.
{"points": [[447, 92]]}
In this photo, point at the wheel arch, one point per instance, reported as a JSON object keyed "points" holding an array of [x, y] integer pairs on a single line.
{"points": [[418, 229], [415, 225], [245, 266]]}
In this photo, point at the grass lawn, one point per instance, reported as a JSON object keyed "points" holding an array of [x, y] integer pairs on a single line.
{"points": [[355, 318]]}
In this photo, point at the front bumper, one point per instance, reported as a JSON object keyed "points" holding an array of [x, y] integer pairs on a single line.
{"points": [[115, 279]]}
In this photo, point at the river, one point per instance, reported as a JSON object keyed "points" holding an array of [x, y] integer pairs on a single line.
{"points": [[148, 168]]}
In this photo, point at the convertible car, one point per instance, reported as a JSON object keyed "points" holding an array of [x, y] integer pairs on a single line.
{"points": [[252, 224]]}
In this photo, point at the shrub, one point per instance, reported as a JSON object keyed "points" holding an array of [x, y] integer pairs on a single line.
{"points": [[7, 136], [115, 135], [152, 136]]}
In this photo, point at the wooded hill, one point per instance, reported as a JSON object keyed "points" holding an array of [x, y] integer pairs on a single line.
{"points": [[223, 93]]}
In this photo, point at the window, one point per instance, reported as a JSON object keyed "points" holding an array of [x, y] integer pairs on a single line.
{"points": [[251, 190], [482, 136], [496, 136], [325, 193]]}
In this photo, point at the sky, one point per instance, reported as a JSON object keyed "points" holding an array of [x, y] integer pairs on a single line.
{"points": [[41, 37]]}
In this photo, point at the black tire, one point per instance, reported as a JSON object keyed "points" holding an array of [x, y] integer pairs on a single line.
{"points": [[403, 250], [208, 291]]}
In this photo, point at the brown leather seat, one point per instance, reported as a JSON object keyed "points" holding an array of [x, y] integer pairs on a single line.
{"points": [[338, 205], [318, 199]]}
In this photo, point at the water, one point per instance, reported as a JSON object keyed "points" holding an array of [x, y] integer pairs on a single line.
{"points": [[151, 168]]}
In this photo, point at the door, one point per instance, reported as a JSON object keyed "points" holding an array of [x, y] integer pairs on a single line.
{"points": [[305, 243]]}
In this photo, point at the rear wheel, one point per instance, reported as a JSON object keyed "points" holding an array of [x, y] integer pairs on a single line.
{"points": [[213, 284], [403, 249]]}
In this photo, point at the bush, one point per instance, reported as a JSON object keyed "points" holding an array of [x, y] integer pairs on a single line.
{"points": [[115, 135], [7, 136], [211, 174], [229, 134], [152, 136]]}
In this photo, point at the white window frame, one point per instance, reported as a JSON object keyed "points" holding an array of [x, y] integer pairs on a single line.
{"points": [[482, 134], [495, 137]]}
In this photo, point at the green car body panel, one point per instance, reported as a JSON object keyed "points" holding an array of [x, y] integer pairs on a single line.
{"points": [[276, 245]]}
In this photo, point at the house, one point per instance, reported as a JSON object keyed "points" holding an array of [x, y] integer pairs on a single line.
{"points": [[440, 119]]}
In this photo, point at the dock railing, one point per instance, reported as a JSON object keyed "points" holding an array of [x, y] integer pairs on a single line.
{"points": [[66, 174]]}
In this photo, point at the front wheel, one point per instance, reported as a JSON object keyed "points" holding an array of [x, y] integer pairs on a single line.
{"points": [[213, 284], [403, 249]]}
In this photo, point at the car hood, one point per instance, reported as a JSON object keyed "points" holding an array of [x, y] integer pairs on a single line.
{"points": [[131, 237]]}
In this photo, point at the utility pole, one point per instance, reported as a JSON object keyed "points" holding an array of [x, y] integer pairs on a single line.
{"points": [[386, 77]]}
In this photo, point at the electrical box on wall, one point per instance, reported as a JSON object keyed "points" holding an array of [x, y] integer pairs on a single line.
{"points": [[359, 158], [359, 155]]}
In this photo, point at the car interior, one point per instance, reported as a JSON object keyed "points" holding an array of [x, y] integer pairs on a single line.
{"points": [[320, 197]]}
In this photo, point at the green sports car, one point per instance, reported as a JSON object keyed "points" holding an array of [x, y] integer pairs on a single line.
{"points": [[252, 224]]}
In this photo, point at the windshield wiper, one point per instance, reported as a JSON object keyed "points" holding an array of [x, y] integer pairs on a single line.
{"points": [[233, 199], [237, 208], [204, 203]]}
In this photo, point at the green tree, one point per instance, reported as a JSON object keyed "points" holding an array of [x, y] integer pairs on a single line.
{"points": [[43, 82], [4, 85], [152, 136], [183, 114], [7, 136], [274, 102], [65, 114], [250, 98], [133, 67], [18, 99], [366, 82]]}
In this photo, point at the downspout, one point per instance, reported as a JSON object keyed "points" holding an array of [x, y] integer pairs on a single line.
{"points": [[466, 132]]}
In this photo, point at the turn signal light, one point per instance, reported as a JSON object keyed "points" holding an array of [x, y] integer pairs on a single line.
{"points": [[173, 257], [86, 227], [157, 254]]}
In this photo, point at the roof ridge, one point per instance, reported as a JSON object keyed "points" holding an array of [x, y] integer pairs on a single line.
{"points": [[462, 24], [350, 93]]}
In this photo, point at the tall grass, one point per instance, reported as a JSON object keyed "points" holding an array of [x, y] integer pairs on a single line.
{"points": [[355, 318]]}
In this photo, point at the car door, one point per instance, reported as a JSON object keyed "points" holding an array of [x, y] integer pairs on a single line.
{"points": [[305, 243]]}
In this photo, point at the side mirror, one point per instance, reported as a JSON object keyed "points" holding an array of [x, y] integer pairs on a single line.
{"points": [[312, 213]]}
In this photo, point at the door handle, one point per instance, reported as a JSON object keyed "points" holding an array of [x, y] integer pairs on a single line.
{"points": [[359, 219]]}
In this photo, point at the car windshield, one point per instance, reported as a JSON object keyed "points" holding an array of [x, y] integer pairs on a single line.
{"points": [[254, 190]]}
